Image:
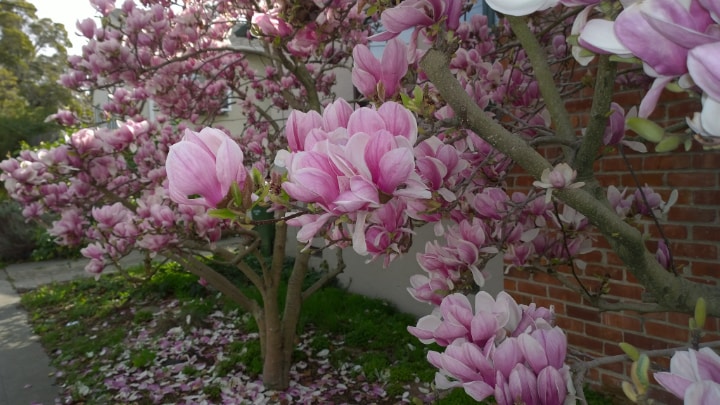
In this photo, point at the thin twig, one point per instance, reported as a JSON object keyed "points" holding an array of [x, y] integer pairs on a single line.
{"points": [[652, 214]]}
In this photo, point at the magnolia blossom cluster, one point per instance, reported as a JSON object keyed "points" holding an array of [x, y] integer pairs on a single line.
{"points": [[498, 348], [694, 376], [355, 165], [481, 68], [524, 227], [686, 43], [190, 59], [70, 184], [307, 36]]}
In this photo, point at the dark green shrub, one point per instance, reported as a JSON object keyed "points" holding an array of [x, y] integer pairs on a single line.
{"points": [[47, 249], [17, 238]]}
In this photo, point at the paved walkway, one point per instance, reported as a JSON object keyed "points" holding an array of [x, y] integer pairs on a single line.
{"points": [[26, 377]]}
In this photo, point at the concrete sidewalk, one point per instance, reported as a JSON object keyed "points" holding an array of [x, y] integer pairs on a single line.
{"points": [[26, 377]]}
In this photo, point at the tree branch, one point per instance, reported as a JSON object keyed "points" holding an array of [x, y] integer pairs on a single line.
{"points": [[546, 83], [331, 274], [599, 111], [216, 280]]}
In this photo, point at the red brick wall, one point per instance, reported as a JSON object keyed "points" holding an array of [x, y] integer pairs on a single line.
{"points": [[692, 226]]}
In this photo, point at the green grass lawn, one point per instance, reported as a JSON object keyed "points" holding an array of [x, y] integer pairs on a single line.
{"points": [[115, 342]]}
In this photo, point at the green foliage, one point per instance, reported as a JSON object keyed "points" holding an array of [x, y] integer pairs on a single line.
{"points": [[213, 391], [47, 249], [373, 365], [32, 57], [250, 357], [594, 397], [142, 316], [170, 280], [457, 397], [142, 358]]}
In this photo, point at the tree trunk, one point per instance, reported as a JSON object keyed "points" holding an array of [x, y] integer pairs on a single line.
{"points": [[278, 329], [277, 358]]}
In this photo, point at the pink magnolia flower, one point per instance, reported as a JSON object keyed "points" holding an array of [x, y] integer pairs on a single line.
{"points": [[351, 163], [418, 14], [619, 201], [103, 6], [491, 203], [561, 176], [387, 232], [271, 25], [299, 124], [202, 167], [361, 164], [305, 130], [694, 376], [86, 27], [425, 289], [110, 215], [662, 254], [440, 165], [634, 30], [381, 77]]}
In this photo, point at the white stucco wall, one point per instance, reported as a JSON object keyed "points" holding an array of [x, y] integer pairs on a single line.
{"points": [[372, 280]]}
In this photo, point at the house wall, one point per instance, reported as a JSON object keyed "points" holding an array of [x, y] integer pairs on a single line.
{"points": [[692, 226]]}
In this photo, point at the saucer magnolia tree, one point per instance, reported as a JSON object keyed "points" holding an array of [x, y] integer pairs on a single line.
{"points": [[183, 62], [450, 112]]}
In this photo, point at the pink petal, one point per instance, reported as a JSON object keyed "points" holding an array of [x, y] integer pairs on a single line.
{"points": [[229, 165], [483, 327], [676, 384], [635, 33], [311, 225], [703, 63], [533, 351], [399, 120], [683, 23], [187, 170], [395, 167], [598, 36], [648, 103], [478, 390], [336, 115], [312, 185], [703, 392], [506, 355], [400, 18], [708, 364], [365, 120], [366, 72], [364, 190], [523, 385], [393, 65], [298, 126], [551, 386]]}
